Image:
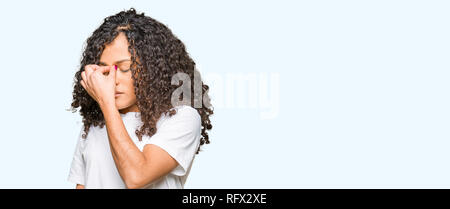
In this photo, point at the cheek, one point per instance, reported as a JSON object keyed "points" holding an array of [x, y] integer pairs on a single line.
{"points": [[130, 89], [125, 100], [129, 96], [129, 83]]}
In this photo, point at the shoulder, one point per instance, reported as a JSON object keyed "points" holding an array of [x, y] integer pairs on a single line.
{"points": [[185, 115], [91, 132], [187, 111]]}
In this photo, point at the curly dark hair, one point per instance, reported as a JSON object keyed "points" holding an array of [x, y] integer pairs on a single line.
{"points": [[156, 55]]}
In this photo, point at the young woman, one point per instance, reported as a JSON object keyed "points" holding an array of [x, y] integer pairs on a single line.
{"points": [[133, 134]]}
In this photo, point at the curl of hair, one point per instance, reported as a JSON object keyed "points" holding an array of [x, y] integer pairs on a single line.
{"points": [[156, 55]]}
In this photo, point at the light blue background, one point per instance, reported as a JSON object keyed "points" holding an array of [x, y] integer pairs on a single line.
{"points": [[363, 95]]}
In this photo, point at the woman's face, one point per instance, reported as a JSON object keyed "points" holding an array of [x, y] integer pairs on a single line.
{"points": [[116, 53]]}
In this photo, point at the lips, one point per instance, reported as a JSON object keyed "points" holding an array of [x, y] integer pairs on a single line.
{"points": [[118, 93]]}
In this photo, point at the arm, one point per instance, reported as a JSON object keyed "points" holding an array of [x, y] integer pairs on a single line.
{"points": [[136, 168]]}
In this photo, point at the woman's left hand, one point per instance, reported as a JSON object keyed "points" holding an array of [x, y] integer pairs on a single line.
{"points": [[100, 87]]}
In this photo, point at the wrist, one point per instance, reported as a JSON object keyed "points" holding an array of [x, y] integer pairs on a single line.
{"points": [[106, 105]]}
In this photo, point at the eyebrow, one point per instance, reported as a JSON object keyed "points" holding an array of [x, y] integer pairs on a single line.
{"points": [[117, 62]]}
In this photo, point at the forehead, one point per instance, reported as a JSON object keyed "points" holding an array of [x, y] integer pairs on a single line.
{"points": [[116, 50]]}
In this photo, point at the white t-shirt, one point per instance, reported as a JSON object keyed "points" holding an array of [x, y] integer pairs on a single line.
{"points": [[179, 135]]}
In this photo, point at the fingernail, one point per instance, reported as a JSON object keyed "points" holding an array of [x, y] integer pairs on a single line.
{"points": [[115, 67]]}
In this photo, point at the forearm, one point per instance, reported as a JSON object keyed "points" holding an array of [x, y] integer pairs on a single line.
{"points": [[129, 160]]}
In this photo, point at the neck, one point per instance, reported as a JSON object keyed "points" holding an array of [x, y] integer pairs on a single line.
{"points": [[132, 108]]}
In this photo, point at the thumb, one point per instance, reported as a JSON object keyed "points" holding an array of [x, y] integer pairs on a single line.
{"points": [[107, 69], [104, 69]]}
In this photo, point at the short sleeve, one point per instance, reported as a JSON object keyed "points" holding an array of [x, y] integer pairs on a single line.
{"points": [[78, 166], [179, 135]]}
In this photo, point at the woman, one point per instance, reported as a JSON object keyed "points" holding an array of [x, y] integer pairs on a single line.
{"points": [[135, 133]]}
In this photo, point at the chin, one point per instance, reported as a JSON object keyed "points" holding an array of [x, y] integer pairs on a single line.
{"points": [[123, 104], [120, 105]]}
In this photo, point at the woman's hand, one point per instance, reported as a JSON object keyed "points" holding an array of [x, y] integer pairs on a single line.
{"points": [[99, 86]]}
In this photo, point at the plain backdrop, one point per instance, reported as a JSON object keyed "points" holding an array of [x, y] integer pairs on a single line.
{"points": [[361, 90]]}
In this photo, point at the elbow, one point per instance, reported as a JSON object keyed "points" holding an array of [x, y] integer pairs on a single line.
{"points": [[132, 186], [136, 181], [137, 178], [133, 183]]}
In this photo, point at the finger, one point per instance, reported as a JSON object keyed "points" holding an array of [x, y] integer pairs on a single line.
{"points": [[86, 88], [112, 72], [92, 66], [84, 77], [109, 72], [83, 84], [104, 69], [89, 69]]}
